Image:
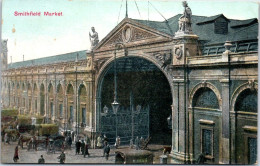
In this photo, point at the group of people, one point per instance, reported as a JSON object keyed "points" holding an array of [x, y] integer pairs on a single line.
{"points": [[138, 143], [82, 145]]}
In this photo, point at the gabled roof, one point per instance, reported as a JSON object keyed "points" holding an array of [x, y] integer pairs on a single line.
{"points": [[160, 30], [202, 26], [69, 57]]}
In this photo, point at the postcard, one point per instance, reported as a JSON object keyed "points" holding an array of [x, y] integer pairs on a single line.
{"points": [[129, 82]]}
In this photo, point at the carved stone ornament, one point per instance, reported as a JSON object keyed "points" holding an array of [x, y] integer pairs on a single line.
{"points": [[127, 34], [178, 52], [99, 63], [252, 84]]}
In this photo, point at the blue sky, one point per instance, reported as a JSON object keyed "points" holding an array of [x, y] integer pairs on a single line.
{"points": [[42, 36]]}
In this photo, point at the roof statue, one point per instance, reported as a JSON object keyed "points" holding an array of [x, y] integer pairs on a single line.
{"points": [[93, 38], [185, 20]]}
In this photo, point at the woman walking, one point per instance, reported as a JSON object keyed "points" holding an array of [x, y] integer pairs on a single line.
{"points": [[16, 157]]}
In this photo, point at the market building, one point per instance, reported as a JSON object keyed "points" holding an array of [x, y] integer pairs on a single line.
{"points": [[197, 72]]}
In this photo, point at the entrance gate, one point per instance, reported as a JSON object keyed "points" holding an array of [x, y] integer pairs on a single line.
{"points": [[132, 121]]}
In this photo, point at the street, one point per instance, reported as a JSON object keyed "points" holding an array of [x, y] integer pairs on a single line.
{"points": [[96, 155]]}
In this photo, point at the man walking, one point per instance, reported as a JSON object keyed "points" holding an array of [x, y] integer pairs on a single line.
{"points": [[82, 147], [78, 144], [62, 157], [86, 149], [41, 160], [107, 150]]}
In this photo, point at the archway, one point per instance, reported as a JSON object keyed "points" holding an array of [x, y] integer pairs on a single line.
{"points": [[145, 101], [35, 98], [29, 89], [206, 121], [60, 98], [84, 117], [70, 104], [51, 101], [245, 108], [18, 90], [42, 100]]}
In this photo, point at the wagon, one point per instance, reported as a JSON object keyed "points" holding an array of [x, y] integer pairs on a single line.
{"points": [[133, 157], [12, 134], [57, 145]]}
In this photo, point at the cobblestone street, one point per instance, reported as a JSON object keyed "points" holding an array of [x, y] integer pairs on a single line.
{"points": [[7, 152]]}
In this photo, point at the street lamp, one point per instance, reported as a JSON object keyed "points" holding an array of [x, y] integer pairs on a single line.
{"points": [[115, 104]]}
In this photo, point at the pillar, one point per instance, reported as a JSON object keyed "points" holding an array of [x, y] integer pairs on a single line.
{"points": [[180, 138], [225, 121]]}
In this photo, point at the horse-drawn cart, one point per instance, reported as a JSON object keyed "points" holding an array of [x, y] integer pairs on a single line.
{"points": [[13, 134]]}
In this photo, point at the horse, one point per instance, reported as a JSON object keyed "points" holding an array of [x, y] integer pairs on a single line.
{"points": [[23, 139]]}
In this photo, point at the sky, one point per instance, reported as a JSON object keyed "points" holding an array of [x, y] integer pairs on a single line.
{"points": [[42, 36]]}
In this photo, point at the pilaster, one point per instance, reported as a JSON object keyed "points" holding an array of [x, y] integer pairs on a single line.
{"points": [[225, 121]]}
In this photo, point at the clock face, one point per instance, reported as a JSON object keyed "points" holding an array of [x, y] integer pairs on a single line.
{"points": [[178, 53]]}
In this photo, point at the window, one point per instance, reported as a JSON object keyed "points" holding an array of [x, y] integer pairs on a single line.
{"points": [[207, 142], [207, 138], [252, 150], [52, 109], [61, 110], [221, 26], [84, 115], [35, 104], [71, 114]]}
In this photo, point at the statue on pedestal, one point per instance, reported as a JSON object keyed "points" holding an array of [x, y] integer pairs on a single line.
{"points": [[185, 19], [93, 38]]}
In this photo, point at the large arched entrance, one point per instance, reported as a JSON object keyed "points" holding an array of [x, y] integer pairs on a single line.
{"points": [[145, 98]]}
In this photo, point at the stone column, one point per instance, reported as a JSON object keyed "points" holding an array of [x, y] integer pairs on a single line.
{"points": [[180, 138], [225, 121]]}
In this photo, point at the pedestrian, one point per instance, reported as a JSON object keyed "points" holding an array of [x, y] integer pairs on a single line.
{"points": [[7, 138], [62, 157], [131, 143], [137, 142], [117, 143], [201, 159], [70, 141], [105, 140], [33, 140], [41, 160], [86, 149], [107, 150], [78, 144], [99, 142], [16, 156], [2, 133], [82, 147], [141, 142]]}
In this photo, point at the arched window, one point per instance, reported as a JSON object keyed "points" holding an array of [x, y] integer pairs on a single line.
{"points": [[205, 98], [247, 101]]}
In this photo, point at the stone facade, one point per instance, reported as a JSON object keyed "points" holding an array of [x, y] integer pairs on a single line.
{"points": [[210, 91]]}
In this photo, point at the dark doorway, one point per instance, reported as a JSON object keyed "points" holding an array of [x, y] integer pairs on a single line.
{"points": [[149, 88]]}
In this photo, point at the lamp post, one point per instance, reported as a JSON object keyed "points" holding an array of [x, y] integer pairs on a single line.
{"points": [[115, 104]]}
